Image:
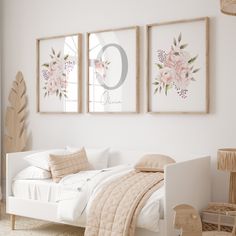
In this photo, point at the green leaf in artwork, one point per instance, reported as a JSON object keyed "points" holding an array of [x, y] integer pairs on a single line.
{"points": [[166, 90], [192, 59], [183, 46], [193, 79], [155, 83], [53, 52], [46, 65], [156, 90], [59, 54], [159, 65], [167, 87], [180, 37], [65, 58], [174, 41], [196, 70], [176, 53]]}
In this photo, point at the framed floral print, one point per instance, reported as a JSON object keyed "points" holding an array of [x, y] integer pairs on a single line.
{"points": [[112, 85], [59, 74], [177, 61]]}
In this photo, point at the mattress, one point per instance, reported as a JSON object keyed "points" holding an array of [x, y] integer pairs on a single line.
{"points": [[48, 191]]}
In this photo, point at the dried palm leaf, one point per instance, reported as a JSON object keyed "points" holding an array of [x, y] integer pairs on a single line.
{"points": [[15, 139]]}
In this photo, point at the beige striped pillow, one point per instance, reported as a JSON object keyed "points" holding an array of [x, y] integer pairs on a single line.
{"points": [[62, 165]]}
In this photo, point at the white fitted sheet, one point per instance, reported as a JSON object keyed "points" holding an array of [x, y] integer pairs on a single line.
{"points": [[42, 190]]}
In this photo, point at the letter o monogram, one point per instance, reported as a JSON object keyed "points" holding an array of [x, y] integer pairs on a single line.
{"points": [[124, 63]]}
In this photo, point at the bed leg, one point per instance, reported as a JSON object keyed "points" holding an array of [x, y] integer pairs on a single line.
{"points": [[1, 209], [13, 222]]}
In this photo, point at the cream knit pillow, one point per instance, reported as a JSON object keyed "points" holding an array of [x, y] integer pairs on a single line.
{"points": [[153, 163], [62, 165]]}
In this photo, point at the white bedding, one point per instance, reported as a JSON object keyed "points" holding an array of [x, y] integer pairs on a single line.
{"points": [[75, 194], [42, 190]]}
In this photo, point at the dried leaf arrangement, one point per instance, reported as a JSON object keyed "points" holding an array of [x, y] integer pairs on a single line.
{"points": [[15, 137]]}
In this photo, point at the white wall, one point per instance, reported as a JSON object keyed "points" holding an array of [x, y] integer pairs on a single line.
{"points": [[180, 136], [0, 89]]}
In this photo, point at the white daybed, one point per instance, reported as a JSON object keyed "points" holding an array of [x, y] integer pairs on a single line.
{"points": [[185, 182]]}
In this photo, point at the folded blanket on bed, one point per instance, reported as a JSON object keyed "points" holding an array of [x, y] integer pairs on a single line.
{"points": [[115, 209]]}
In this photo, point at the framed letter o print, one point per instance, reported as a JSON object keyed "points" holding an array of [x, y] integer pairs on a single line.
{"points": [[177, 61], [113, 71], [59, 74]]}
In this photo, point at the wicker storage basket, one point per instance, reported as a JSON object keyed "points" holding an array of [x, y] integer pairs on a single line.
{"points": [[214, 217], [213, 233]]}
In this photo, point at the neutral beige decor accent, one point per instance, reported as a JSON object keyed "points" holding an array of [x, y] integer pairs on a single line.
{"points": [[115, 209], [216, 217], [228, 7], [227, 162], [15, 138], [62, 165], [153, 162], [188, 221]]}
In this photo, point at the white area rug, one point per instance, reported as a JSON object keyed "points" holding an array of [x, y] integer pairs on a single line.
{"points": [[30, 227]]}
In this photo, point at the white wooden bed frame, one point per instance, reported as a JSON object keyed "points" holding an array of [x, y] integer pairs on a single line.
{"points": [[185, 182]]}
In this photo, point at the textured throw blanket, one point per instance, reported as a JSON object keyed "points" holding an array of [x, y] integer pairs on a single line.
{"points": [[115, 209]]}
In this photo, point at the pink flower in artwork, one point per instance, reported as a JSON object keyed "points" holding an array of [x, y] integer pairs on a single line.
{"points": [[101, 68], [183, 79], [175, 69], [56, 73], [52, 86], [166, 75]]}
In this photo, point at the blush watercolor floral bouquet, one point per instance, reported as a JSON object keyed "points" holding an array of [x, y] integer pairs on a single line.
{"points": [[175, 69], [55, 74]]}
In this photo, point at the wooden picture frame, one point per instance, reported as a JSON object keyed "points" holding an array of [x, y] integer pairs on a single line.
{"points": [[59, 74], [165, 75], [117, 40]]}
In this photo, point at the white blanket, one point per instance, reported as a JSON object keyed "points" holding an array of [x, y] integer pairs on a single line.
{"points": [[80, 189]]}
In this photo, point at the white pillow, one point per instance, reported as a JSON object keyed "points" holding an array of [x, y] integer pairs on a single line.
{"points": [[33, 172], [41, 159], [97, 157]]}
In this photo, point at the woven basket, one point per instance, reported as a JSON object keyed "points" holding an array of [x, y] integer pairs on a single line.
{"points": [[213, 227], [216, 209], [214, 233]]}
